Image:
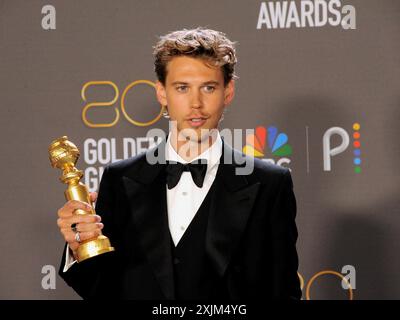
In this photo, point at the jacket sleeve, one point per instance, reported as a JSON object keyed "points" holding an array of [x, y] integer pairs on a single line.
{"points": [[286, 283], [93, 277]]}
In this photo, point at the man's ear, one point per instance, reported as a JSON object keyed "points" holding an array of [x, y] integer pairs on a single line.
{"points": [[229, 92], [161, 93]]}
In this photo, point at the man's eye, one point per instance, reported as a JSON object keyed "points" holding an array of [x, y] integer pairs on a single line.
{"points": [[181, 88], [209, 88]]}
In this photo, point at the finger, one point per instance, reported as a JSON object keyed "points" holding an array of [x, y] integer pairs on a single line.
{"points": [[88, 234], [69, 207], [93, 196], [77, 204], [78, 219], [85, 227], [70, 236]]}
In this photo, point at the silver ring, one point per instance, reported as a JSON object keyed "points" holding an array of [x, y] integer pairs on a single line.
{"points": [[78, 237]]}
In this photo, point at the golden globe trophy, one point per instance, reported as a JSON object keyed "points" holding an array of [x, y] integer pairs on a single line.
{"points": [[63, 155]]}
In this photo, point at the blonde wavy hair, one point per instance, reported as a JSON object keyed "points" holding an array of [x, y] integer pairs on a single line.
{"points": [[212, 46]]}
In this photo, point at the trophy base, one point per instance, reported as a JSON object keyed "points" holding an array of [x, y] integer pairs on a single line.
{"points": [[94, 247]]}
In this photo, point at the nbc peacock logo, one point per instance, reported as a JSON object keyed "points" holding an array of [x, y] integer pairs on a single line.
{"points": [[277, 142]]}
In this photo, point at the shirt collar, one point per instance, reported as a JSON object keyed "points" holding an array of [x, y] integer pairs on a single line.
{"points": [[212, 154]]}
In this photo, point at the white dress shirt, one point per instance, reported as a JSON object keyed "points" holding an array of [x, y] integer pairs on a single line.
{"points": [[185, 199]]}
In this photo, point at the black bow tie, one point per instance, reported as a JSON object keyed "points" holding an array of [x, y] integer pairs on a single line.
{"points": [[197, 170]]}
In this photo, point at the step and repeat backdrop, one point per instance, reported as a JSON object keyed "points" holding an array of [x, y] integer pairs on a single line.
{"points": [[319, 84]]}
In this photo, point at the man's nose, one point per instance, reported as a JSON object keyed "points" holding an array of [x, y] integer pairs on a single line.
{"points": [[196, 102]]}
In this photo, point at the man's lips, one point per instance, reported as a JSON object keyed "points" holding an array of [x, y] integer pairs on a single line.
{"points": [[197, 121]]}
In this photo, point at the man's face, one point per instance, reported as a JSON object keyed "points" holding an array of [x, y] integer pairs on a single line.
{"points": [[195, 95]]}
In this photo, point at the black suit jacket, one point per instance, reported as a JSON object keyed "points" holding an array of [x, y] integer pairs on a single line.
{"points": [[250, 238]]}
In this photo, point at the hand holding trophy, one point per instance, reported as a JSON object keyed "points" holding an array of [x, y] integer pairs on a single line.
{"points": [[63, 155]]}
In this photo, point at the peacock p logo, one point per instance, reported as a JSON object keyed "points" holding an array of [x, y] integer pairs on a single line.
{"points": [[277, 141], [329, 152]]}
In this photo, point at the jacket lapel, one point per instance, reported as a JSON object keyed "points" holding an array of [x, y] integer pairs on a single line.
{"points": [[145, 188], [230, 209]]}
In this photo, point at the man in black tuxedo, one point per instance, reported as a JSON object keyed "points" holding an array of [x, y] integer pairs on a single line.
{"points": [[189, 225]]}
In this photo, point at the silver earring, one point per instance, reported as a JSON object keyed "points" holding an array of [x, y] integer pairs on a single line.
{"points": [[165, 113], [222, 116]]}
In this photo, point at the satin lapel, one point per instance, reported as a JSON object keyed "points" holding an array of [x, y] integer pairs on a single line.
{"points": [[230, 209], [145, 188]]}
